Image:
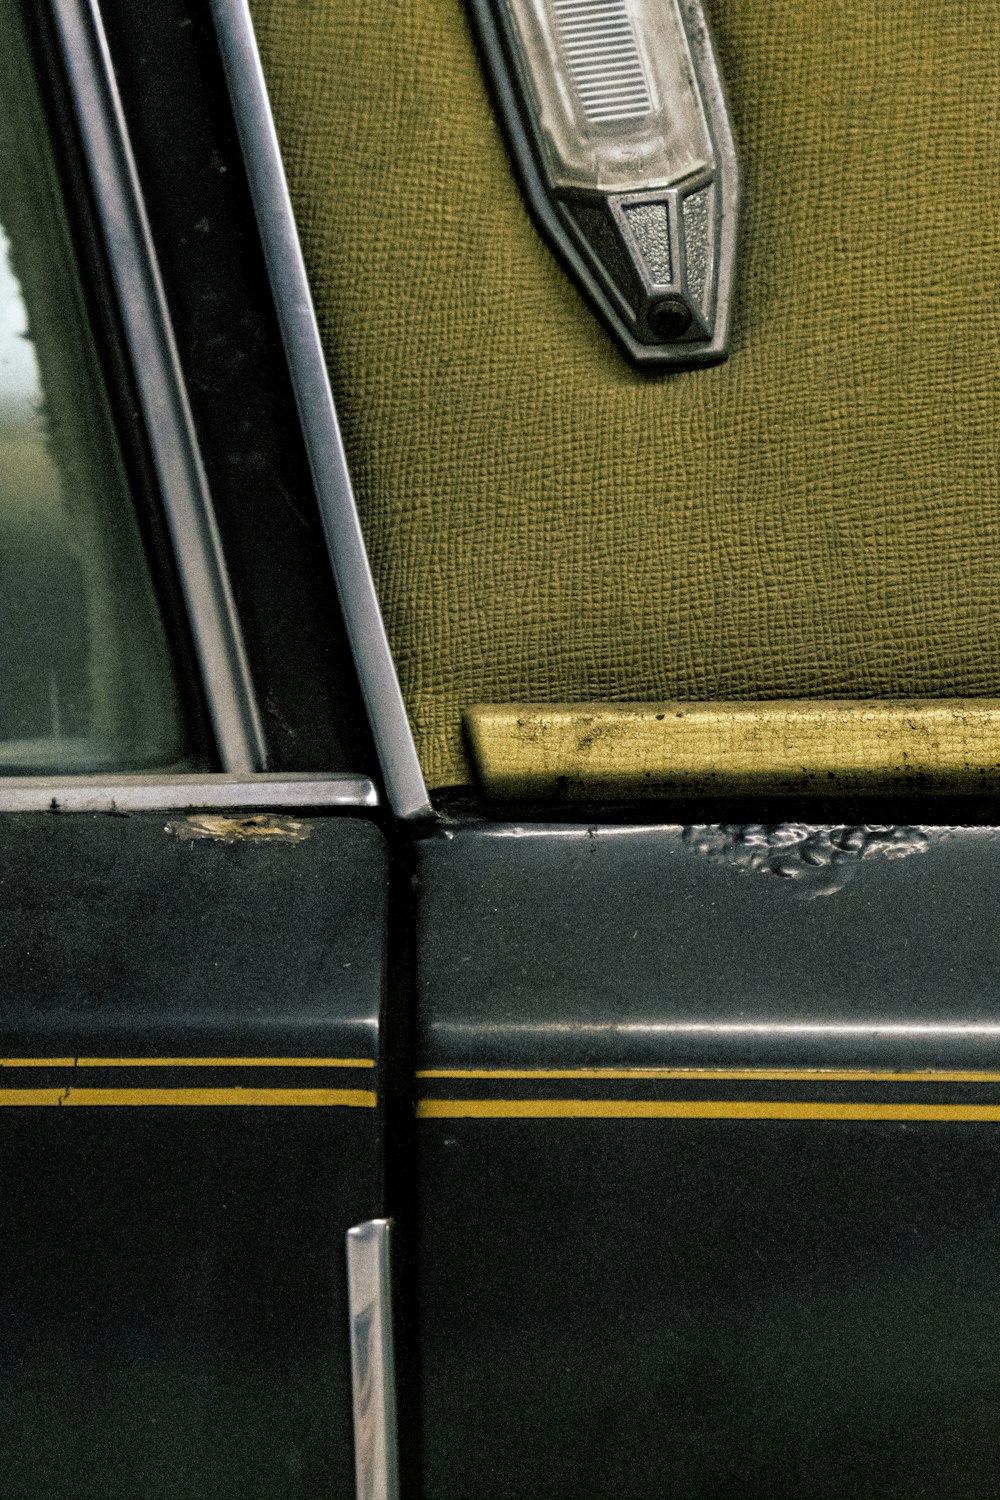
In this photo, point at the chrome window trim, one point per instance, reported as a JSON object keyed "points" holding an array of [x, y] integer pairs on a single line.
{"points": [[404, 782], [135, 794], [211, 610]]}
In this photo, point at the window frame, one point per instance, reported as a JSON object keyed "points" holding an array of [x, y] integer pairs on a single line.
{"points": [[237, 717]]}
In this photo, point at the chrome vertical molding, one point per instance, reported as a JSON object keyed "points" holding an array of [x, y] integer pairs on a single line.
{"points": [[159, 381], [373, 1376], [404, 782]]}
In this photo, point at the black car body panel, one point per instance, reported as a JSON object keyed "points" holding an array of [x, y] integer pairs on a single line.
{"points": [[693, 1214], [208, 992]]}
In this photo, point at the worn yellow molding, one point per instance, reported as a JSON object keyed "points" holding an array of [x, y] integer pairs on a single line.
{"points": [[625, 751]]}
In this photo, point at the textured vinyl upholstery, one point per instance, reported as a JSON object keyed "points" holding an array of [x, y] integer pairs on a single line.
{"points": [[818, 517]]}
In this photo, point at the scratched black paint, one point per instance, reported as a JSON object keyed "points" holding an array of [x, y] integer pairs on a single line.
{"points": [[712, 1308], [172, 1279]]}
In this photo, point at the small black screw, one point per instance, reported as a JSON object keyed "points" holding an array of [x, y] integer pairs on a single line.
{"points": [[669, 319]]}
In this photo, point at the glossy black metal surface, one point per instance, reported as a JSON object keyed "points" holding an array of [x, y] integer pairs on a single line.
{"points": [[712, 1309], [174, 1284], [739, 1276], [173, 1302], [135, 928], [564, 944]]}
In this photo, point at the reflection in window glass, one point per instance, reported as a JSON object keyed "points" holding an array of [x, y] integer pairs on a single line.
{"points": [[86, 682]]}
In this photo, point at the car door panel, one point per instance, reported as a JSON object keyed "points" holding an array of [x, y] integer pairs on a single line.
{"points": [[191, 1080], [694, 1213]]}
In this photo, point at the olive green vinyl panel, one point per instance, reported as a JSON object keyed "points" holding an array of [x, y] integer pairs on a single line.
{"points": [[820, 517]]}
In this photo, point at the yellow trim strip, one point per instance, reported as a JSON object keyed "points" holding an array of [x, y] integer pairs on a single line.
{"points": [[763, 1075], [693, 1109], [186, 1062], [345, 1098], [628, 750]]}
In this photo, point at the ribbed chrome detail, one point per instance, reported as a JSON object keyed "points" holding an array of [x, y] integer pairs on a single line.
{"points": [[603, 57]]}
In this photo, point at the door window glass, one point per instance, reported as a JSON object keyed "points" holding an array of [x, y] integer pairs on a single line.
{"points": [[86, 680]]}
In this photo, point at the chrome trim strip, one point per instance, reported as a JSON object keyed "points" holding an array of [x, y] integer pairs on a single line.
{"points": [[404, 782], [94, 794], [373, 1376], [212, 613]]}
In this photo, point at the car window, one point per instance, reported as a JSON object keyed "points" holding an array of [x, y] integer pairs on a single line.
{"points": [[86, 679]]}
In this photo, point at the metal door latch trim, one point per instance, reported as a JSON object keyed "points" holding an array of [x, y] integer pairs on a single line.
{"points": [[373, 1374]]}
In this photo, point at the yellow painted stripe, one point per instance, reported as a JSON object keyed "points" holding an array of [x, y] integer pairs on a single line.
{"points": [[224, 1062], [186, 1062], [344, 1098], [763, 1075], [31, 1096], [37, 1062], [693, 1109]]}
